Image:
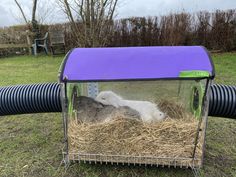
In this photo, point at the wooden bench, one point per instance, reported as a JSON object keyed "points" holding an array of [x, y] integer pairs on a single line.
{"points": [[5, 46], [57, 41], [12, 49]]}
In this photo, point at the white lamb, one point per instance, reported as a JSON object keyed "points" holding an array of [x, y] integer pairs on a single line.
{"points": [[148, 111]]}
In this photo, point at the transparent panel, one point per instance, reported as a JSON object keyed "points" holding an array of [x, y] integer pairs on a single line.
{"points": [[150, 122]]}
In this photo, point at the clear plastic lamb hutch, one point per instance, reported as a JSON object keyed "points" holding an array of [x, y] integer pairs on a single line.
{"points": [[136, 105]]}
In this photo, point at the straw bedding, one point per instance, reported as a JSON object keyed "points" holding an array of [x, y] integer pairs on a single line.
{"points": [[173, 137]]}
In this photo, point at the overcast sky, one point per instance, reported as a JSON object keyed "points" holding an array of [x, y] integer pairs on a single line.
{"points": [[9, 13]]}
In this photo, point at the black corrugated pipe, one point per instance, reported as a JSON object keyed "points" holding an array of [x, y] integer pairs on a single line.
{"points": [[40, 98], [35, 98], [222, 101]]}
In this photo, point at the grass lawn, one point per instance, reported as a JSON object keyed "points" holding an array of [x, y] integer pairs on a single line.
{"points": [[31, 145]]}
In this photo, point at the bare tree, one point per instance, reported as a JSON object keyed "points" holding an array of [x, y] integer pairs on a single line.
{"points": [[33, 29], [203, 28], [22, 12], [91, 20], [34, 10], [33, 19], [46, 11]]}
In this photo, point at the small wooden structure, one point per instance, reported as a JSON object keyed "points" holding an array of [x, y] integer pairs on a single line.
{"points": [[13, 42], [12, 49], [57, 41]]}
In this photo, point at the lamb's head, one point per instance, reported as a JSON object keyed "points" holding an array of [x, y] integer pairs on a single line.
{"points": [[159, 115], [109, 98]]}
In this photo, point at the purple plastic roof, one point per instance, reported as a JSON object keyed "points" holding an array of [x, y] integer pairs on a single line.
{"points": [[97, 64]]}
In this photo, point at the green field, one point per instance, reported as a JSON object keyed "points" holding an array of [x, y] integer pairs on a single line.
{"points": [[31, 145]]}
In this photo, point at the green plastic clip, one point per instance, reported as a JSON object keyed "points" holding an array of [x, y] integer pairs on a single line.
{"points": [[194, 74]]}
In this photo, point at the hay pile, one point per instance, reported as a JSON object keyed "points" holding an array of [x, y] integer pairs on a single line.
{"points": [[173, 137]]}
